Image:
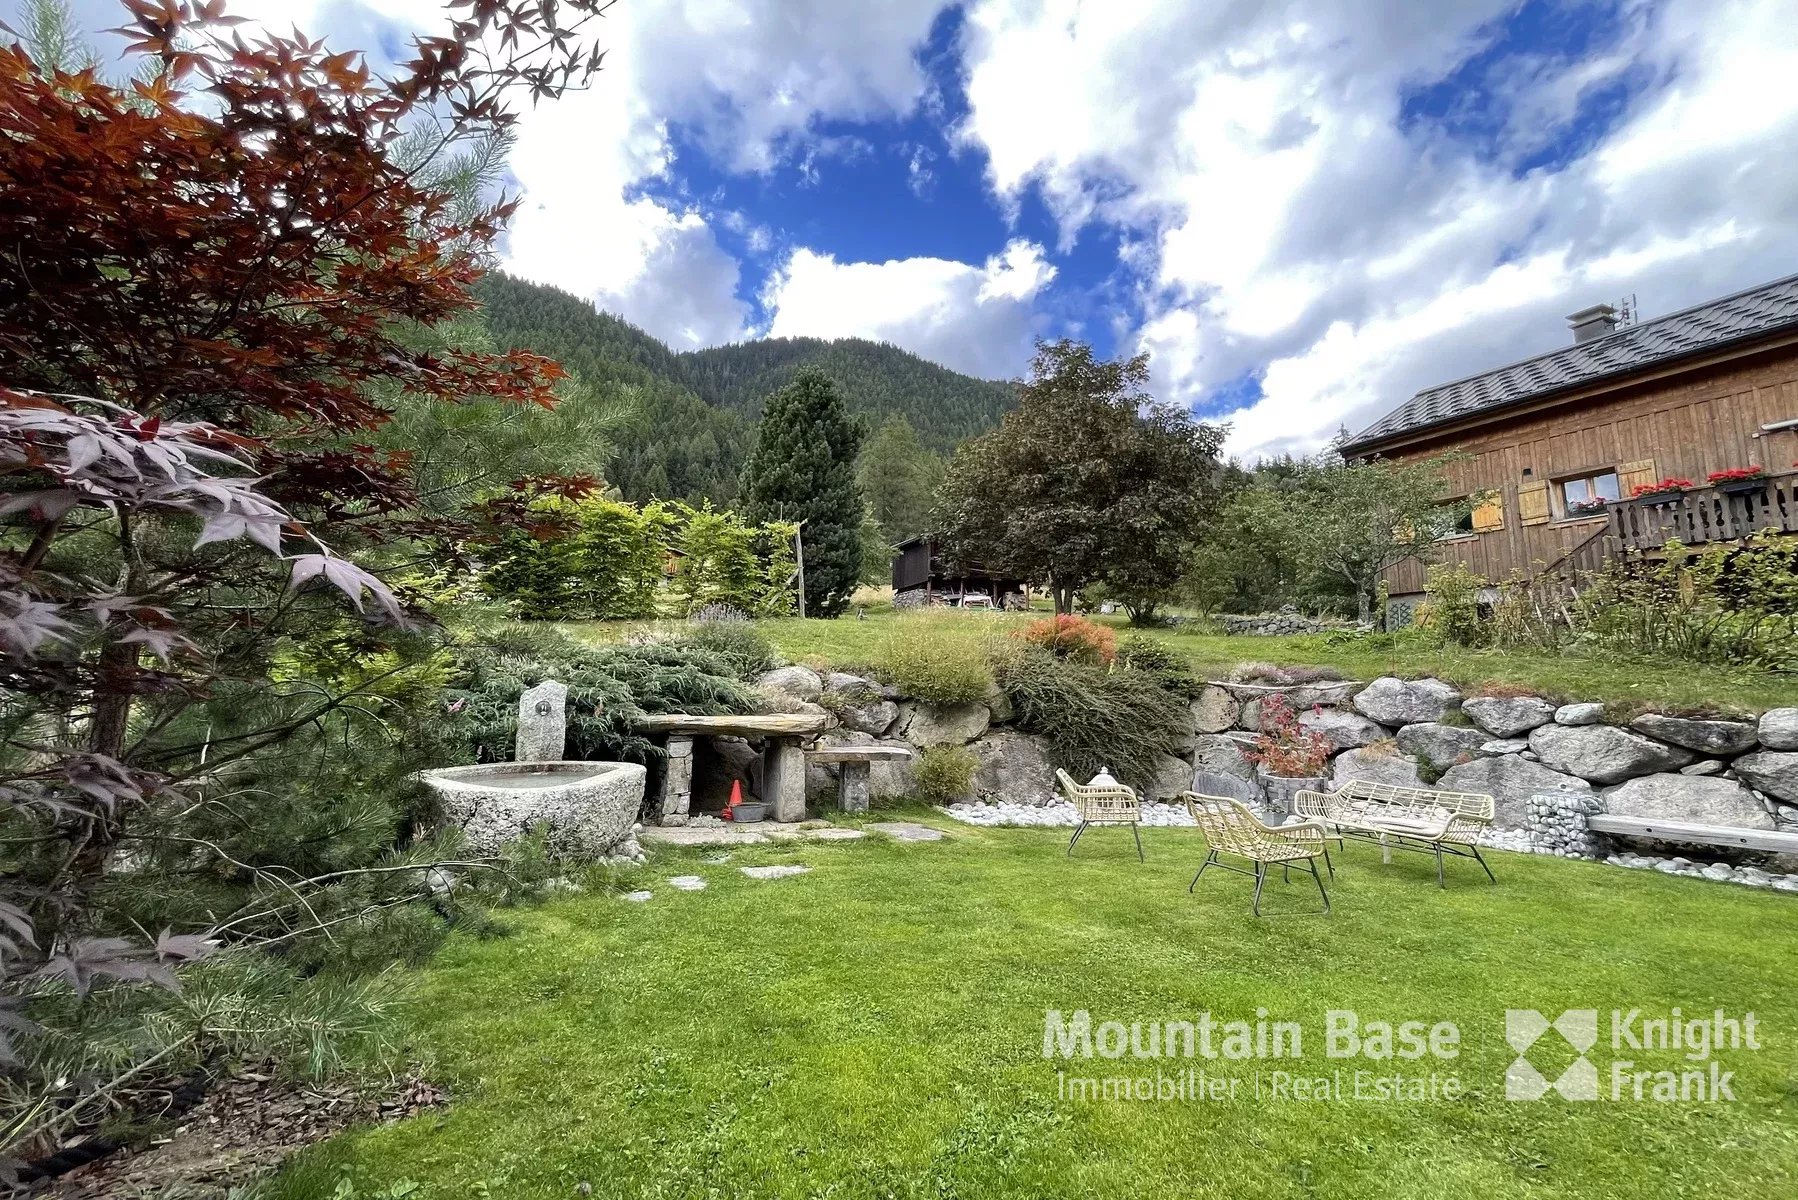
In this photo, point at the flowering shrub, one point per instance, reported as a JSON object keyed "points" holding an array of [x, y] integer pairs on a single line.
{"points": [[1668, 485], [1069, 636], [1286, 748], [1736, 475]]}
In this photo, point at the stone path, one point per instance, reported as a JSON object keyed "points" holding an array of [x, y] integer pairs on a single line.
{"points": [[778, 872], [908, 831], [761, 833]]}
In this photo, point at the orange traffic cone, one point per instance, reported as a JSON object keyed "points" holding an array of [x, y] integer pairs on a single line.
{"points": [[736, 798]]}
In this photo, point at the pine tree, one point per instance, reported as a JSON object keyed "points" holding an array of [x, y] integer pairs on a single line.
{"points": [[803, 469], [899, 476]]}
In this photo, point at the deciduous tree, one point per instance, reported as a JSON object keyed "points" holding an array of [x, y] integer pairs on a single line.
{"points": [[1088, 479]]}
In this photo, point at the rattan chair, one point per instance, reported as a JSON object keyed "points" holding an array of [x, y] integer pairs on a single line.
{"points": [[1230, 828], [1103, 804], [1404, 818]]}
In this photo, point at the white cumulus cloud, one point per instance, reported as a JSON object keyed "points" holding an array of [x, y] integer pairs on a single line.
{"points": [[977, 319]]}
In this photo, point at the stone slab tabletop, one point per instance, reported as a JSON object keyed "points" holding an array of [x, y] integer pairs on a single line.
{"points": [[747, 725], [841, 754]]}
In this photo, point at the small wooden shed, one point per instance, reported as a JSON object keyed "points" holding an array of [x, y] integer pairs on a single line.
{"points": [[918, 567]]}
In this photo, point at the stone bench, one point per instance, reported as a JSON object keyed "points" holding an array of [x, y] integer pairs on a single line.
{"points": [[1689, 833], [852, 775]]}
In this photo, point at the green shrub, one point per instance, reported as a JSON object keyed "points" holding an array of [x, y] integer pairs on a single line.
{"points": [[937, 658], [736, 640], [944, 774], [610, 688], [1168, 667], [1096, 718]]}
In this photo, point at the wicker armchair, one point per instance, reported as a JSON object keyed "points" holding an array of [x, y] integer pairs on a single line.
{"points": [[1229, 828], [1106, 804], [1404, 818]]}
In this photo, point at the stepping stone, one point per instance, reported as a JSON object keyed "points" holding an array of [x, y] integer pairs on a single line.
{"points": [[780, 872], [687, 883], [639, 897], [715, 860], [833, 834], [908, 831], [702, 835]]}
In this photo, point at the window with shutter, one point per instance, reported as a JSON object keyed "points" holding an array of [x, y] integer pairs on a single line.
{"points": [[1489, 513], [1630, 474], [1532, 503]]}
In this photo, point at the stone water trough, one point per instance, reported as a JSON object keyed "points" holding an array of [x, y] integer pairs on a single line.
{"points": [[586, 809]]}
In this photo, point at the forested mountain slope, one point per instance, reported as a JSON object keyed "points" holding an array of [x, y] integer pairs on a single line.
{"points": [[696, 412], [879, 380]]}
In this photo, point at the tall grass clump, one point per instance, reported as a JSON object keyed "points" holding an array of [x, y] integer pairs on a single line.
{"points": [[939, 658]]}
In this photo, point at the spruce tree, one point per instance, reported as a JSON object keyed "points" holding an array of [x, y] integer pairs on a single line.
{"points": [[803, 469]]}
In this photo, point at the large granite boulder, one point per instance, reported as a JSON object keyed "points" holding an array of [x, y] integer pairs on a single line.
{"points": [[1604, 753], [1779, 729], [1185, 732], [1375, 766], [1216, 710], [855, 687], [1588, 713], [1393, 701], [1696, 798], [1172, 777], [1709, 737], [1508, 716], [927, 725], [871, 715], [1510, 780], [1013, 767], [1774, 772], [1343, 730], [802, 682], [1442, 746], [1220, 768], [998, 704]]}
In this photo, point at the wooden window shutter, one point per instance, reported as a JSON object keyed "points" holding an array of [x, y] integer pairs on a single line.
{"points": [[1489, 513], [1532, 503], [1631, 474]]}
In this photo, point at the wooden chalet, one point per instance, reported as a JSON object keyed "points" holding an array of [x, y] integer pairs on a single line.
{"points": [[919, 568], [1556, 444]]}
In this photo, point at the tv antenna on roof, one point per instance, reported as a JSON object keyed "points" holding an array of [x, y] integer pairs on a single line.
{"points": [[1626, 311]]}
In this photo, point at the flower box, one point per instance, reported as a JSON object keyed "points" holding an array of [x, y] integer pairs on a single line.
{"points": [[1663, 492]]}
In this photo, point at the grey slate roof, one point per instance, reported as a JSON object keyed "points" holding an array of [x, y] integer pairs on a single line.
{"points": [[1708, 326]]}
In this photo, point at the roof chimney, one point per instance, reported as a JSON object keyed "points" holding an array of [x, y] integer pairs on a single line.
{"points": [[1589, 323]]}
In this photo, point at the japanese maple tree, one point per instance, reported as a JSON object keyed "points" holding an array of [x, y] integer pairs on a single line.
{"points": [[213, 278]]}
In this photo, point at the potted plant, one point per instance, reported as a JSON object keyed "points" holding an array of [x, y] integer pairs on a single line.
{"points": [[1288, 757], [1738, 481], [1661, 492]]}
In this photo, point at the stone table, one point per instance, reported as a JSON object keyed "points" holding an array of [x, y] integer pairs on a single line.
{"points": [[852, 774], [783, 756]]}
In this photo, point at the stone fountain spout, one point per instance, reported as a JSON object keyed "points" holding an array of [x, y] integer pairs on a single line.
{"points": [[542, 723]]}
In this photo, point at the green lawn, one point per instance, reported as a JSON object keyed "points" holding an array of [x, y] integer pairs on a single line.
{"points": [[848, 642], [875, 1029]]}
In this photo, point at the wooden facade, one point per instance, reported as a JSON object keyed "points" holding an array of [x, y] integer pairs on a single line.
{"points": [[1683, 419], [918, 566]]}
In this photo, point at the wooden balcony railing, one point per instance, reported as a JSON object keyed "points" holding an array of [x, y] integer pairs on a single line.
{"points": [[1708, 514]]}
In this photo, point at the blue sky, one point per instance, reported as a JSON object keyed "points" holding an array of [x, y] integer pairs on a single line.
{"points": [[1302, 210]]}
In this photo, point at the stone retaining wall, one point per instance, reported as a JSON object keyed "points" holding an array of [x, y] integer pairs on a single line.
{"points": [[1545, 764]]}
